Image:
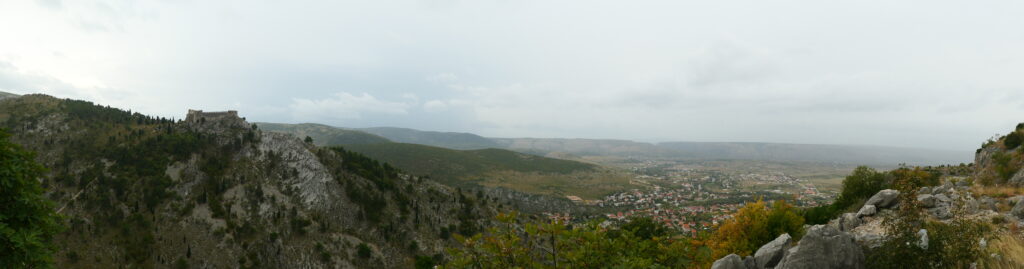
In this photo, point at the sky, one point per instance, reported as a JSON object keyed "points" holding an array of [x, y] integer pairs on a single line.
{"points": [[928, 74]]}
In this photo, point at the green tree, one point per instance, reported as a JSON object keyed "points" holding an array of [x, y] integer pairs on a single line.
{"points": [[28, 221], [753, 226], [1013, 140], [556, 245]]}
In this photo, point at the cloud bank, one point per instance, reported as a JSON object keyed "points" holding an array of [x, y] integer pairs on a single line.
{"points": [[933, 74]]}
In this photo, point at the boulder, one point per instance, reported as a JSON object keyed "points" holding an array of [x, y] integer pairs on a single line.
{"points": [[824, 247], [1018, 210], [750, 262], [942, 198], [849, 221], [731, 261], [942, 212], [1016, 199], [771, 253], [884, 199], [926, 200], [923, 239], [867, 210], [870, 240], [987, 203], [1017, 179]]}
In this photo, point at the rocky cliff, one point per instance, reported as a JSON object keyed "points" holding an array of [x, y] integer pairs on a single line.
{"points": [[147, 192]]}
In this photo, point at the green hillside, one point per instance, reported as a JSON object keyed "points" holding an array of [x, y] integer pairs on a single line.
{"points": [[324, 135], [498, 167], [450, 140]]}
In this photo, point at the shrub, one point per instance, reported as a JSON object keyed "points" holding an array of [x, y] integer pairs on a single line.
{"points": [[364, 251], [1013, 140], [860, 185], [753, 226], [952, 245], [554, 245], [424, 262], [28, 221]]}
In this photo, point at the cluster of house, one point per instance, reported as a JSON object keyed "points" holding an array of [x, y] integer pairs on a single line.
{"points": [[658, 197], [687, 219]]}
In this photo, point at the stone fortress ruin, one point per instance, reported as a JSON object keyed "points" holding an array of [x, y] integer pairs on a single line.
{"points": [[198, 116], [217, 119]]}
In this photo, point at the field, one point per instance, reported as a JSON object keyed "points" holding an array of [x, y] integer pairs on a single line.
{"points": [[497, 167]]}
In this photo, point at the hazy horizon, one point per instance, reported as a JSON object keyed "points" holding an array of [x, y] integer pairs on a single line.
{"points": [[870, 73]]}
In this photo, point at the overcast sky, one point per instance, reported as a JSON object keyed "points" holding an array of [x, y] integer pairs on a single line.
{"points": [[932, 74]]}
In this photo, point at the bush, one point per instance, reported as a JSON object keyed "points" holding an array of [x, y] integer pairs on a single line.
{"points": [[364, 251], [28, 221], [952, 245], [753, 226], [860, 185], [1013, 140], [554, 245], [424, 262]]}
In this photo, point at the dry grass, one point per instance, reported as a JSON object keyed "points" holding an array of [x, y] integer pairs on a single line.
{"points": [[998, 191], [1010, 249]]}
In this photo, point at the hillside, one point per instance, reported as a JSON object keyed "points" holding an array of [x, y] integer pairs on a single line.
{"points": [[214, 191], [498, 167], [602, 149], [324, 135], [450, 140]]}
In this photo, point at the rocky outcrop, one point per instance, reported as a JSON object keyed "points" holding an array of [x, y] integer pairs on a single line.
{"points": [[867, 210], [1017, 179], [731, 261], [926, 200], [824, 247], [770, 254], [884, 199], [1018, 210]]}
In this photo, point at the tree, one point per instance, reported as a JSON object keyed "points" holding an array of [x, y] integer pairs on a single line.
{"points": [[557, 245], [28, 221], [308, 140], [753, 226], [1013, 140]]}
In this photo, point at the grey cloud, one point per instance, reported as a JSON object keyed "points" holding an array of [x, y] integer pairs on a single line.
{"points": [[822, 72]]}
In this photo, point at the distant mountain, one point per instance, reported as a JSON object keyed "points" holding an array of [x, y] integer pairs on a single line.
{"points": [[580, 149], [498, 168], [5, 95], [324, 135], [450, 140], [845, 154]]}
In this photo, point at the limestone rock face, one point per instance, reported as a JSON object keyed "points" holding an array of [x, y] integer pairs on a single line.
{"points": [[884, 198], [731, 261], [1017, 179], [771, 253], [750, 262], [847, 222], [824, 247], [311, 178]]}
